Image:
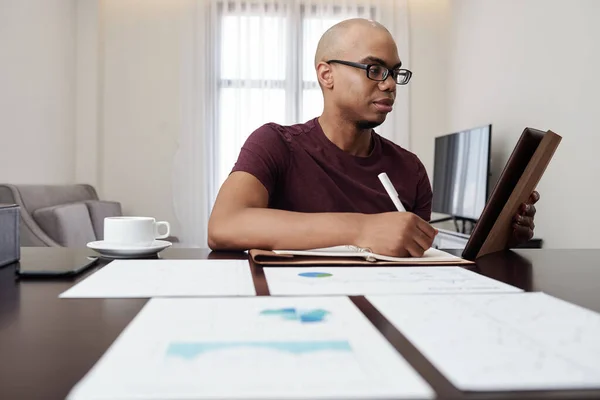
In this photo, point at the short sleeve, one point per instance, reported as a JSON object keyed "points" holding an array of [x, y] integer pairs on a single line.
{"points": [[424, 196], [265, 155]]}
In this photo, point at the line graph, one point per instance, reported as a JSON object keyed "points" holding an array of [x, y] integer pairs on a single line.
{"points": [[501, 341]]}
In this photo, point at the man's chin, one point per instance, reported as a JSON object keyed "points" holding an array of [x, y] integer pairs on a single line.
{"points": [[369, 124]]}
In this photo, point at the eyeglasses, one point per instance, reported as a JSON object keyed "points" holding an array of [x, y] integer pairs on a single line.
{"points": [[378, 72]]}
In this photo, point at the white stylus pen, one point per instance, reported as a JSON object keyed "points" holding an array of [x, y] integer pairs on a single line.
{"points": [[391, 191]]}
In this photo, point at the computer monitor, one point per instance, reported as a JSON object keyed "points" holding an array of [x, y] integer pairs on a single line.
{"points": [[461, 172]]}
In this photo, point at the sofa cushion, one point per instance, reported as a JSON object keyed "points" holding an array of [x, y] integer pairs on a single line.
{"points": [[99, 210], [67, 224]]}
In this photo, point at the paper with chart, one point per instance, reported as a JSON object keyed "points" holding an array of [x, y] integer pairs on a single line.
{"points": [[258, 347], [519, 341], [379, 280], [166, 278]]}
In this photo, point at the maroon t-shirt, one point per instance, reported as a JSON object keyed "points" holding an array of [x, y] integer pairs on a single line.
{"points": [[304, 171]]}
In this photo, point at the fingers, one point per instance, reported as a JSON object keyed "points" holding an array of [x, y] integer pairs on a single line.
{"points": [[523, 224], [524, 220], [527, 210], [522, 233], [415, 248], [418, 235], [427, 229], [423, 241], [528, 207], [534, 197], [422, 238]]}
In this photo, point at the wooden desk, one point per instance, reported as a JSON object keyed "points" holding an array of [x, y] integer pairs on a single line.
{"points": [[48, 344]]}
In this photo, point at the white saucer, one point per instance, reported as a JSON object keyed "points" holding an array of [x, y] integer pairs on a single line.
{"points": [[113, 250]]}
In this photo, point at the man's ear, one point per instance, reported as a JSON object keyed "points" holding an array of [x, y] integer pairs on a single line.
{"points": [[325, 75]]}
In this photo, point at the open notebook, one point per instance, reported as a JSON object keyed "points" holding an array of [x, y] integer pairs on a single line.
{"points": [[350, 255]]}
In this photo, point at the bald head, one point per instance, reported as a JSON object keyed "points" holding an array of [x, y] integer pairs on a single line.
{"points": [[341, 37], [358, 48]]}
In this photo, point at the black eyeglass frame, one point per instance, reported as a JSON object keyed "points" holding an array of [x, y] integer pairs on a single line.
{"points": [[395, 73]]}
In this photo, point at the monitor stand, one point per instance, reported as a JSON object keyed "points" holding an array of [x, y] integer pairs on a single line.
{"points": [[456, 220], [458, 239]]}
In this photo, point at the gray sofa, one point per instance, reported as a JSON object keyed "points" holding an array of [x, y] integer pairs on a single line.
{"points": [[59, 215]]}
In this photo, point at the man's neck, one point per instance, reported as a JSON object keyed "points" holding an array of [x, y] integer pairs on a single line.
{"points": [[346, 135]]}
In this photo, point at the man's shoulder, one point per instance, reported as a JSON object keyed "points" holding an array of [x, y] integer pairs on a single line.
{"points": [[286, 132], [394, 150]]}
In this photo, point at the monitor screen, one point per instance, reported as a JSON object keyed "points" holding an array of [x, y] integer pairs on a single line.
{"points": [[461, 172]]}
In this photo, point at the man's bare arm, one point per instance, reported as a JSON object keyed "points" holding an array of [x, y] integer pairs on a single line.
{"points": [[240, 220]]}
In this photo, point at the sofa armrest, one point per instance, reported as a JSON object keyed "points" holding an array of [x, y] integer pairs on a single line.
{"points": [[35, 236]]}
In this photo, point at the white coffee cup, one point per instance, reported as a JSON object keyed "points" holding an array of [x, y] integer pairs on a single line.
{"points": [[133, 231]]}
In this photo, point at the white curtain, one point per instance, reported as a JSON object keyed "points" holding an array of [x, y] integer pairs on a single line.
{"points": [[249, 62]]}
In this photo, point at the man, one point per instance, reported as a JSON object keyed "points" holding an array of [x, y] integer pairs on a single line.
{"points": [[315, 184]]}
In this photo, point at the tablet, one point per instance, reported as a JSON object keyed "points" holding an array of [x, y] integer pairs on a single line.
{"points": [[54, 263], [518, 180]]}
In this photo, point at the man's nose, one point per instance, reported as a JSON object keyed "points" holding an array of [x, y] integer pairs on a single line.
{"points": [[389, 84]]}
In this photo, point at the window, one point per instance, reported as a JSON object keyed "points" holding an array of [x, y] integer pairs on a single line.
{"points": [[266, 68]]}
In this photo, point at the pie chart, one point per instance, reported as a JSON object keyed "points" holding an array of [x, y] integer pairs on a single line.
{"points": [[315, 274]]}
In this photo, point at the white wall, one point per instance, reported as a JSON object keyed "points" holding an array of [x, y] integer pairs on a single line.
{"points": [[88, 149], [429, 42], [140, 104], [534, 63], [429, 25], [37, 91]]}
